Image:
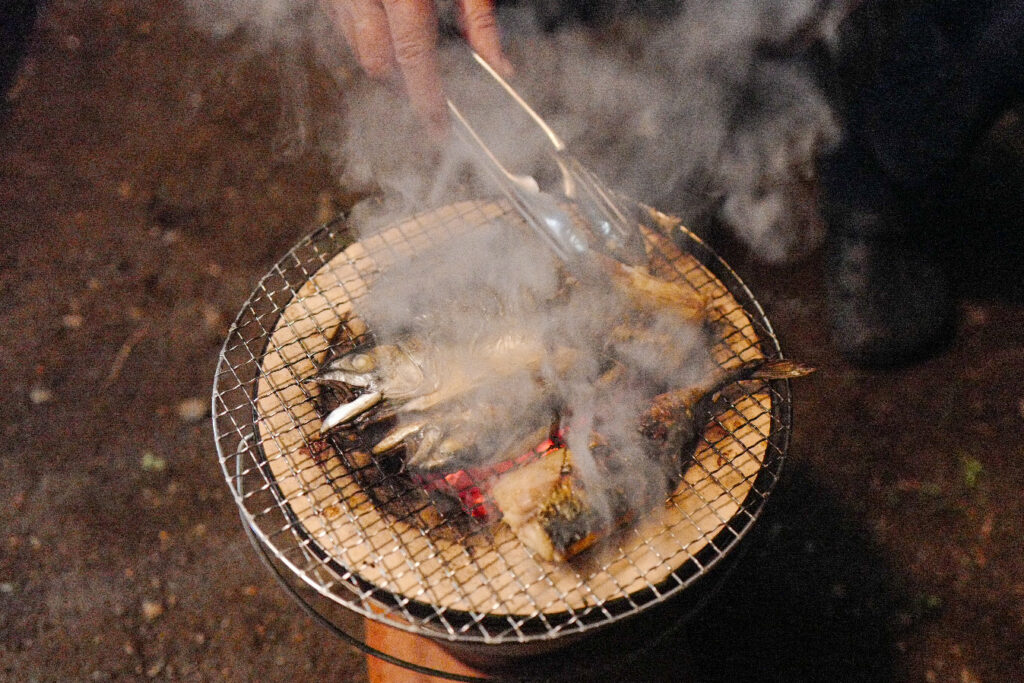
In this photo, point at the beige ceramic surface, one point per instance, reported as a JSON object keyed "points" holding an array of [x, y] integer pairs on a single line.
{"points": [[502, 578]]}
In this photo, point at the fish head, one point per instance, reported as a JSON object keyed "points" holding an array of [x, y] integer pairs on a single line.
{"points": [[390, 369], [355, 369]]}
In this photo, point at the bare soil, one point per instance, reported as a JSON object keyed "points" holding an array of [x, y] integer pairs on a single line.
{"points": [[142, 196]]}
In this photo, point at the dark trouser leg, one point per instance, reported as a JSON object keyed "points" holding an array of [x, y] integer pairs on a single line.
{"points": [[914, 109]]}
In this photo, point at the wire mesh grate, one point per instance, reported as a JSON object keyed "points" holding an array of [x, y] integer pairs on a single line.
{"points": [[363, 535]]}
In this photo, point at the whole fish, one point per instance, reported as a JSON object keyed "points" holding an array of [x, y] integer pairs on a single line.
{"points": [[416, 376], [673, 419], [546, 503]]}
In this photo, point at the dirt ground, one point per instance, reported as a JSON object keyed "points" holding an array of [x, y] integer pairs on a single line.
{"points": [[142, 197]]}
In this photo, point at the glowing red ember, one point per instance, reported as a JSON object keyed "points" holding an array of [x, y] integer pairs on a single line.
{"points": [[471, 485]]}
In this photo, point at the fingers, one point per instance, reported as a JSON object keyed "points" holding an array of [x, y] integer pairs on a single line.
{"points": [[401, 35], [413, 26], [341, 20], [366, 28], [481, 29]]}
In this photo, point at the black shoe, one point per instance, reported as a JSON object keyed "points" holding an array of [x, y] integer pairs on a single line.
{"points": [[889, 297]]}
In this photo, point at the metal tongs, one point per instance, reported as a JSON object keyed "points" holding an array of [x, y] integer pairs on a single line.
{"points": [[612, 228]]}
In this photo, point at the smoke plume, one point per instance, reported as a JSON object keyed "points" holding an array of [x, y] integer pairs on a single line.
{"points": [[705, 109]]}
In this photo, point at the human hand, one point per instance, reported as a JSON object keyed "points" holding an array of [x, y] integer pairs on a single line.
{"points": [[392, 38]]}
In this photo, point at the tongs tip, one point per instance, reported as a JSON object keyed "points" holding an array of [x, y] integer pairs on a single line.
{"points": [[617, 233]]}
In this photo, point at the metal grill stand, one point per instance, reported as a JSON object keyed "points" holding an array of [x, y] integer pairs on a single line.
{"points": [[309, 515]]}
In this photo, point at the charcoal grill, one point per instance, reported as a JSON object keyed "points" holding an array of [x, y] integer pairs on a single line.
{"points": [[305, 505]]}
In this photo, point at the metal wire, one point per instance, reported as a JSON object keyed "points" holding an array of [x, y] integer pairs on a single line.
{"points": [[353, 530]]}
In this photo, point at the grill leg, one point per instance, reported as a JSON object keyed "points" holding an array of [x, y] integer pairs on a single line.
{"points": [[410, 648]]}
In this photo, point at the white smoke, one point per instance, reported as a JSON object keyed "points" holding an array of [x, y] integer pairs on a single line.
{"points": [[458, 300], [709, 112], [704, 112]]}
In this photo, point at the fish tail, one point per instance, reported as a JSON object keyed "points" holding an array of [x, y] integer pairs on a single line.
{"points": [[761, 369], [782, 368]]}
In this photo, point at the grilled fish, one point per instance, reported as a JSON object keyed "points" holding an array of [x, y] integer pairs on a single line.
{"points": [[417, 376], [548, 507]]}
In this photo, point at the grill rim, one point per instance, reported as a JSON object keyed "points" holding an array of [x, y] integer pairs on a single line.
{"points": [[338, 235]]}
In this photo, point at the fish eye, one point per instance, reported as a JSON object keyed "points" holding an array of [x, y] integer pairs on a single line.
{"points": [[361, 362]]}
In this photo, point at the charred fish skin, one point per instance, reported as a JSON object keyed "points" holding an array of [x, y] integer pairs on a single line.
{"points": [[548, 508], [571, 521], [568, 520]]}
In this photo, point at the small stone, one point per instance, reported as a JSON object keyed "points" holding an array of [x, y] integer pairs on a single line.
{"points": [[72, 321], [151, 610], [129, 649], [152, 463], [124, 189], [972, 469], [72, 43], [324, 207], [39, 395], [192, 409], [155, 669], [211, 317], [6, 587]]}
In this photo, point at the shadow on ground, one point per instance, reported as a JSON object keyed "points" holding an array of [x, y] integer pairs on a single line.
{"points": [[811, 594], [986, 221], [806, 594]]}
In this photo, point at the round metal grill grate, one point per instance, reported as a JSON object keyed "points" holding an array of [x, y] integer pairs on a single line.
{"points": [[361, 533]]}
